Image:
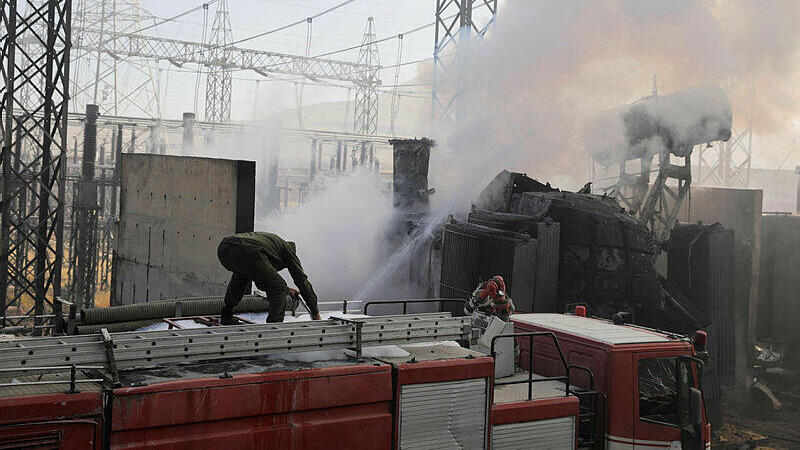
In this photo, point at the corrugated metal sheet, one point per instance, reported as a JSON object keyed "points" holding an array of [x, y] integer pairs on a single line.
{"points": [[446, 415], [553, 434], [720, 312], [459, 258], [472, 253], [546, 285]]}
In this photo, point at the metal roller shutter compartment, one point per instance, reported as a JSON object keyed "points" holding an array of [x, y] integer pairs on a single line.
{"points": [[447, 415], [553, 434]]}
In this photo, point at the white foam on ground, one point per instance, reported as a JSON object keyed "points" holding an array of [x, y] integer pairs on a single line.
{"points": [[321, 355], [259, 318], [381, 351], [158, 326], [432, 343]]}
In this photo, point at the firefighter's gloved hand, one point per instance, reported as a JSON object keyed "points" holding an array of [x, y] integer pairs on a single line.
{"points": [[292, 302], [316, 316]]}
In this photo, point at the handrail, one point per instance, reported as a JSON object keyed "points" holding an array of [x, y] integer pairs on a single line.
{"points": [[73, 376], [405, 303], [585, 369], [530, 380]]}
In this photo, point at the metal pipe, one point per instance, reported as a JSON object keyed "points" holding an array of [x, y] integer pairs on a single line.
{"points": [[312, 169], [90, 142], [797, 205], [339, 156], [156, 310]]}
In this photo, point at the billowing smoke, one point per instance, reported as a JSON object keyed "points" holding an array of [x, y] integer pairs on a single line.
{"points": [[549, 65], [545, 69], [340, 233]]}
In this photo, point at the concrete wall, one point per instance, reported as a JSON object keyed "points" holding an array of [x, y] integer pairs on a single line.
{"points": [[174, 210], [740, 211]]}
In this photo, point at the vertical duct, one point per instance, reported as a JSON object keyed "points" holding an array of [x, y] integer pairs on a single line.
{"points": [[115, 177], [797, 202], [188, 133], [312, 168], [90, 142]]}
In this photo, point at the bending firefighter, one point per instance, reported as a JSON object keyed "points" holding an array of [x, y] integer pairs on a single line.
{"points": [[258, 257]]}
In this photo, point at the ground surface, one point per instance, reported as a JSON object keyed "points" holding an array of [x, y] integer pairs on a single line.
{"points": [[751, 423]]}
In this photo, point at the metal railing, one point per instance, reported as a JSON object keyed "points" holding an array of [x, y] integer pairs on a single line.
{"points": [[531, 380], [73, 376], [405, 303]]}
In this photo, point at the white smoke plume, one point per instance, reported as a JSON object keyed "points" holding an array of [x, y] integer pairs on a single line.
{"points": [[340, 233], [545, 68], [549, 65]]}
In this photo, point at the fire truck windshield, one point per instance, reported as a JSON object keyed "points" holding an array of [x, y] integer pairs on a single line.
{"points": [[663, 395]]}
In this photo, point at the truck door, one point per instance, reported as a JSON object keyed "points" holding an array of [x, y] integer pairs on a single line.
{"points": [[658, 411]]}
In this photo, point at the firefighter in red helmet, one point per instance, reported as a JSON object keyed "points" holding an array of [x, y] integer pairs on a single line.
{"points": [[490, 297]]}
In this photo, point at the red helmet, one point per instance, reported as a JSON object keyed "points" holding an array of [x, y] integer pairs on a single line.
{"points": [[501, 284], [490, 288]]}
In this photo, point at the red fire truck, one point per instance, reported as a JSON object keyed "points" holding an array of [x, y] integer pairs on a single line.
{"points": [[335, 384]]}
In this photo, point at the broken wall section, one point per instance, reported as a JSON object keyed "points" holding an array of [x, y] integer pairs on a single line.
{"points": [[174, 210]]}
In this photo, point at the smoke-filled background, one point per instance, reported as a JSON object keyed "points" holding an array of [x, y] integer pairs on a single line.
{"points": [[548, 66], [545, 68]]}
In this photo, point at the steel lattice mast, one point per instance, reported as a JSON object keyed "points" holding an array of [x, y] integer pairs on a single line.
{"points": [[218, 84], [33, 177], [119, 84], [457, 22], [365, 114]]}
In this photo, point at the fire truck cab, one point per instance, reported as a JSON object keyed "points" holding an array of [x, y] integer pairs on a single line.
{"points": [[638, 388]]}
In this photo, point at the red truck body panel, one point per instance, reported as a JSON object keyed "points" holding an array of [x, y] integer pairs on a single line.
{"points": [[65, 421], [334, 407]]}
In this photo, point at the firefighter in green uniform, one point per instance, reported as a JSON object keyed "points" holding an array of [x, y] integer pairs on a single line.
{"points": [[258, 257]]}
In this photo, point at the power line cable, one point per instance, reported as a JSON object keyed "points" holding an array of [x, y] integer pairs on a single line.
{"points": [[200, 66], [189, 11], [298, 22], [393, 109]]}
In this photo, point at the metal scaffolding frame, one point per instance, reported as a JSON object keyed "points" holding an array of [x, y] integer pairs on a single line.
{"points": [[34, 140]]}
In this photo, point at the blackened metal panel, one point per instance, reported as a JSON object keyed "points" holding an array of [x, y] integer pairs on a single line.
{"points": [[522, 278], [459, 261], [546, 284], [411, 158], [720, 307]]}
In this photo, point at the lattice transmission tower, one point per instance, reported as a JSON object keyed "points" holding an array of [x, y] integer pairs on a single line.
{"points": [[104, 73], [218, 83], [458, 23], [365, 113], [34, 87]]}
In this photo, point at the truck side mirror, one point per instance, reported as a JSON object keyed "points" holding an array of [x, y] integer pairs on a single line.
{"points": [[695, 407]]}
